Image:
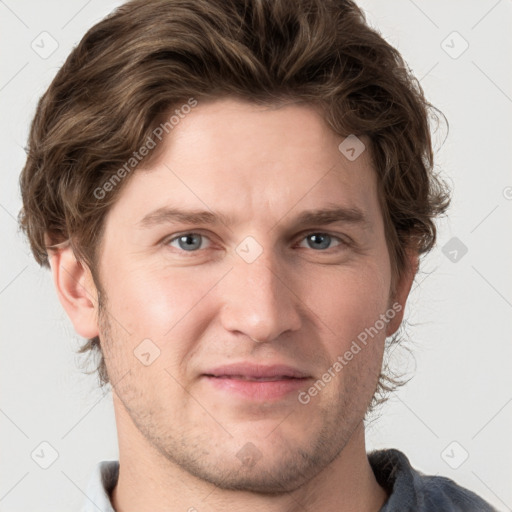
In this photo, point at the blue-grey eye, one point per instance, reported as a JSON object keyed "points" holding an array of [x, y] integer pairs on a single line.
{"points": [[319, 240], [188, 241]]}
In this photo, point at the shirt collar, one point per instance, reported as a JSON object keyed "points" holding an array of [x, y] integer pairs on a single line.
{"points": [[103, 479]]}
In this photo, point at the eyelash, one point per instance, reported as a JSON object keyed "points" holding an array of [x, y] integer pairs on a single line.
{"points": [[342, 243]]}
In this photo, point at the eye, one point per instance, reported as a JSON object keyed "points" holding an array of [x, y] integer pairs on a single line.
{"points": [[321, 240], [192, 241], [189, 242]]}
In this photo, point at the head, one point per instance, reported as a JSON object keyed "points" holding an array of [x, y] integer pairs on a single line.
{"points": [[254, 112]]}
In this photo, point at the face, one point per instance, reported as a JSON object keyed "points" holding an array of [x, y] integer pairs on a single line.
{"points": [[218, 329]]}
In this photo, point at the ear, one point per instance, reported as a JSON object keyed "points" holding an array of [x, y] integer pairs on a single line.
{"points": [[76, 290], [403, 287]]}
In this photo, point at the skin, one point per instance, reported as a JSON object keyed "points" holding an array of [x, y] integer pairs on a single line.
{"points": [[295, 304]]}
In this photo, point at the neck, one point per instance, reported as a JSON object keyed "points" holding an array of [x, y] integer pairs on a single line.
{"points": [[149, 482]]}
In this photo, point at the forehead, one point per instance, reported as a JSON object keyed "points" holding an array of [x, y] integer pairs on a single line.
{"points": [[236, 157]]}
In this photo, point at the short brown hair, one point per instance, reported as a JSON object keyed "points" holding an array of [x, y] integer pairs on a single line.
{"points": [[151, 56]]}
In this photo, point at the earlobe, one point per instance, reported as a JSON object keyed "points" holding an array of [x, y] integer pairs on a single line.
{"points": [[403, 288], [76, 290]]}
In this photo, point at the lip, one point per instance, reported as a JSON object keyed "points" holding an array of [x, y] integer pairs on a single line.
{"points": [[252, 370], [257, 382]]}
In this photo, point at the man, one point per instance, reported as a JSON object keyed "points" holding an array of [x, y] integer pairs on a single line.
{"points": [[233, 197]]}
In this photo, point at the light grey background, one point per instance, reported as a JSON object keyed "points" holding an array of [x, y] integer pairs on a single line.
{"points": [[460, 312]]}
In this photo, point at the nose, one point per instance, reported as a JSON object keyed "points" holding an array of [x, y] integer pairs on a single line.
{"points": [[258, 299]]}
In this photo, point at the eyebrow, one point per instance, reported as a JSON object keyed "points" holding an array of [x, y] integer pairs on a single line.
{"points": [[320, 216]]}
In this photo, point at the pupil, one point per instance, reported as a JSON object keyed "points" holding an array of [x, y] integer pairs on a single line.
{"points": [[320, 238], [186, 239]]}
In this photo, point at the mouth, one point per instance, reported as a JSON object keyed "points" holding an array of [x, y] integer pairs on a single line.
{"points": [[256, 379], [275, 384]]}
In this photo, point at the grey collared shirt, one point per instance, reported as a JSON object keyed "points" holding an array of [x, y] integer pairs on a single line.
{"points": [[409, 490]]}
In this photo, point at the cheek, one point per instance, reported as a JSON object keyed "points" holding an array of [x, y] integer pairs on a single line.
{"points": [[150, 313], [154, 302], [350, 301]]}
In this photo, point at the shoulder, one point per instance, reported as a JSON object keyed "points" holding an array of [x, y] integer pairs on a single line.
{"points": [[411, 490]]}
